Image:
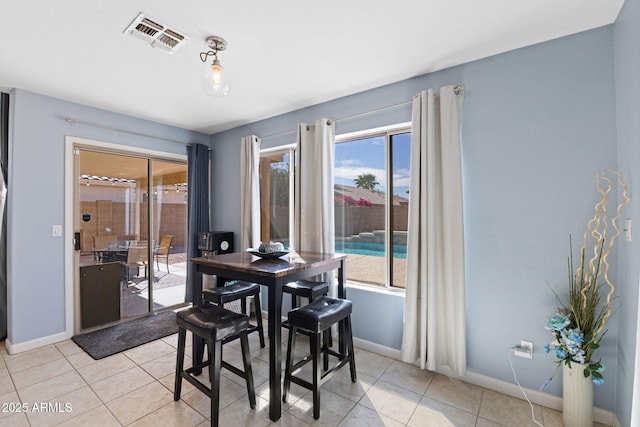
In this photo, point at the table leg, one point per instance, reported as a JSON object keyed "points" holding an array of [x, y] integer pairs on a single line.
{"points": [[275, 351], [342, 293], [197, 350]]}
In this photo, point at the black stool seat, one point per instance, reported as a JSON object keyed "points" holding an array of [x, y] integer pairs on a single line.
{"points": [[315, 320], [225, 294], [307, 289], [238, 291], [212, 324], [321, 314]]}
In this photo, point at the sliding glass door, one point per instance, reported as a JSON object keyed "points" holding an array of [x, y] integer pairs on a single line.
{"points": [[132, 224]]}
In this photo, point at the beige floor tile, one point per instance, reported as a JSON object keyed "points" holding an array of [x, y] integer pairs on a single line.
{"points": [[172, 340], [361, 416], [461, 395], [138, 388], [52, 388], [395, 402], [169, 383], [239, 413], [29, 359], [15, 420], [99, 416], [120, 384], [288, 420], [408, 376], [433, 413], [105, 368], [13, 405], [172, 414], [69, 406], [150, 351], [68, 348], [164, 365], [6, 382], [371, 364], [229, 393], [41, 373], [486, 423], [294, 395], [140, 402], [333, 408], [340, 383], [508, 410], [80, 360]]}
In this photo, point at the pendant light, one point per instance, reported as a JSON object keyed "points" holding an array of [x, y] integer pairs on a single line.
{"points": [[214, 82]]}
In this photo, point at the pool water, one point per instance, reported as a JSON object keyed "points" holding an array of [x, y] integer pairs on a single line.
{"points": [[367, 248]]}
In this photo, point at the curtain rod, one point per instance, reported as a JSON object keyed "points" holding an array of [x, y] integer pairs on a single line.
{"points": [[457, 90], [72, 122]]}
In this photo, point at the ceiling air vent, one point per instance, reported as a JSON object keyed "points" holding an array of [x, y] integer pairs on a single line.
{"points": [[157, 35]]}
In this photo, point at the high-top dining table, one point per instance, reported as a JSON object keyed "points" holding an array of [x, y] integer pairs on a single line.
{"points": [[272, 273]]}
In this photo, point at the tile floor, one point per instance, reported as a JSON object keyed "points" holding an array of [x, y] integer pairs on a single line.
{"points": [[61, 385]]}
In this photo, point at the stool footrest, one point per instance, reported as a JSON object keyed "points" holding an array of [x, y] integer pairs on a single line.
{"points": [[188, 375]]}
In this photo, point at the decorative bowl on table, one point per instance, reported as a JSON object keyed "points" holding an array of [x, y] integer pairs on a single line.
{"points": [[269, 250]]}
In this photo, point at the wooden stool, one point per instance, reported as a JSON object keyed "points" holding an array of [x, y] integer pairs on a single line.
{"points": [[238, 291], [212, 324], [314, 320]]}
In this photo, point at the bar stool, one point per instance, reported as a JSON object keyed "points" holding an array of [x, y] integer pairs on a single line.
{"points": [[212, 324], [314, 320], [238, 291], [307, 289]]}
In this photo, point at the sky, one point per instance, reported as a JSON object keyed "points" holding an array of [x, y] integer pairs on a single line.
{"points": [[367, 155]]}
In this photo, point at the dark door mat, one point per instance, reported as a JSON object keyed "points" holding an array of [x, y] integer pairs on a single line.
{"points": [[114, 339]]}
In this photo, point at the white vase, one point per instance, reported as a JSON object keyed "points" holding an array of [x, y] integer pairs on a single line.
{"points": [[577, 396]]}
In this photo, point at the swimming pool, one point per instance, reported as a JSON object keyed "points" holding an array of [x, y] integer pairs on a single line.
{"points": [[367, 248]]}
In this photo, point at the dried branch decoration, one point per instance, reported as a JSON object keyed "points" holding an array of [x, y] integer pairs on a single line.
{"points": [[579, 324]]}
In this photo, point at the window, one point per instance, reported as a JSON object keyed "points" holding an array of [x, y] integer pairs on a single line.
{"points": [[276, 200], [371, 191], [371, 205]]}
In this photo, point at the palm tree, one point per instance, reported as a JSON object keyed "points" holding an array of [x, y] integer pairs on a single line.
{"points": [[366, 181]]}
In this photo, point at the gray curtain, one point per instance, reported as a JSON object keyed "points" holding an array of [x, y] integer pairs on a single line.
{"points": [[434, 323], [197, 208], [314, 210], [4, 148], [249, 192]]}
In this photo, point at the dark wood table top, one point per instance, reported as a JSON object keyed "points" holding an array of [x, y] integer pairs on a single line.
{"points": [[275, 267]]}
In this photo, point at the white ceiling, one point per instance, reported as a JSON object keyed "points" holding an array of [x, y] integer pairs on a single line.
{"points": [[282, 54]]}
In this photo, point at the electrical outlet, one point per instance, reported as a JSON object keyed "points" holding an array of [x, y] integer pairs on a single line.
{"points": [[525, 349]]}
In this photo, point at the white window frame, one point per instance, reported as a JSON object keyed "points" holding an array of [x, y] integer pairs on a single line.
{"points": [[387, 132]]}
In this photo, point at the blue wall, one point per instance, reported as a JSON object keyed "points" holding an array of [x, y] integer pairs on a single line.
{"points": [[36, 200], [538, 123], [627, 71]]}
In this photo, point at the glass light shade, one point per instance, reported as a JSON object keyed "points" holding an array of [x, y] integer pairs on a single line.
{"points": [[214, 82]]}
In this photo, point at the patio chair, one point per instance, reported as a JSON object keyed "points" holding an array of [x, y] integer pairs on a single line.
{"points": [[162, 250], [137, 256]]}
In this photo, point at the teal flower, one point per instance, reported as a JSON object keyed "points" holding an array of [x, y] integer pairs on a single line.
{"points": [[557, 323]]}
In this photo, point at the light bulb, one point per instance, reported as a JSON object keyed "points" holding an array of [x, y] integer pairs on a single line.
{"points": [[214, 82]]}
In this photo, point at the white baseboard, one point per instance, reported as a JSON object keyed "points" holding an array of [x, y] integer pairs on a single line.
{"points": [[38, 342], [543, 399]]}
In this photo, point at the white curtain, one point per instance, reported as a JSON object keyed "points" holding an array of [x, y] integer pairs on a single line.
{"points": [[250, 192], [314, 210], [434, 324]]}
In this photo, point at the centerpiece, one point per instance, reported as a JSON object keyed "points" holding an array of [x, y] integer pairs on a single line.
{"points": [[579, 324]]}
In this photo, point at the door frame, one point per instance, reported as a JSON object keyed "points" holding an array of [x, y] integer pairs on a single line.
{"points": [[71, 274]]}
